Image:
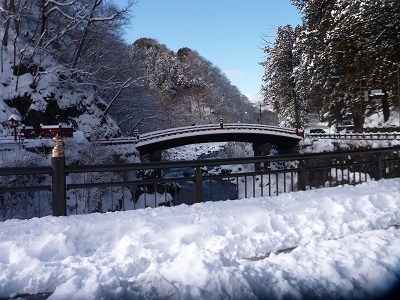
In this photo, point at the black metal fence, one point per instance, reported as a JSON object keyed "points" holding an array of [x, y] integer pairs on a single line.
{"points": [[78, 189]]}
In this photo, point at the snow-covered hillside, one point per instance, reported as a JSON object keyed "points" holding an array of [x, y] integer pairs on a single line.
{"points": [[45, 93]]}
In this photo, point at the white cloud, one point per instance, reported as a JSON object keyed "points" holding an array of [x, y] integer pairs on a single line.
{"points": [[254, 97], [234, 73]]}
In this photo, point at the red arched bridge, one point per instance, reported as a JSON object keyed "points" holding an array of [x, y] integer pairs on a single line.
{"points": [[251, 133]]}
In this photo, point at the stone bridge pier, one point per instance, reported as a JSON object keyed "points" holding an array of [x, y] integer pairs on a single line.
{"points": [[262, 149], [155, 155]]}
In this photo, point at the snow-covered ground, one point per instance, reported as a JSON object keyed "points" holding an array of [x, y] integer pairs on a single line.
{"points": [[341, 243], [375, 120]]}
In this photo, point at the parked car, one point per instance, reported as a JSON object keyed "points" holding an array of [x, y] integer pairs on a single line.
{"points": [[317, 130]]}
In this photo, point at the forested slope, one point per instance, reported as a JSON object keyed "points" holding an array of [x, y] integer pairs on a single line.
{"points": [[66, 62], [343, 49]]}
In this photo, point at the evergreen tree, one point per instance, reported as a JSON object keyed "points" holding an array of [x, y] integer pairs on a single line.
{"points": [[348, 46], [279, 82]]}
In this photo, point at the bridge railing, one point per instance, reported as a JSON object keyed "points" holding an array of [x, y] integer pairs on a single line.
{"points": [[228, 126], [79, 189], [200, 129]]}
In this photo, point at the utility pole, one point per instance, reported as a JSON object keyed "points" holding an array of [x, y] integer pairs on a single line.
{"points": [[398, 85], [362, 95], [398, 90]]}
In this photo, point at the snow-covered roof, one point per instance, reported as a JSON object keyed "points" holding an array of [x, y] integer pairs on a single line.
{"points": [[56, 126], [14, 117]]}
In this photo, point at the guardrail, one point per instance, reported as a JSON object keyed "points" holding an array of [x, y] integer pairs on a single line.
{"points": [[357, 136], [64, 190]]}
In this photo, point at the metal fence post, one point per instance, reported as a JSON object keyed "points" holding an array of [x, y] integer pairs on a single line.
{"points": [[198, 185], [380, 166], [302, 178], [58, 179]]}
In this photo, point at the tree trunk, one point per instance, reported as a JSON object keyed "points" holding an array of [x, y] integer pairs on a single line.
{"points": [[357, 119], [16, 19], [43, 28], [84, 34], [296, 110], [385, 107], [6, 24]]}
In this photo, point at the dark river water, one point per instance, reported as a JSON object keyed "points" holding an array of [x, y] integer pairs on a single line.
{"points": [[213, 190]]}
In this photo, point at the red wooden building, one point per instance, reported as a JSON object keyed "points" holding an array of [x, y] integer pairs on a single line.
{"points": [[50, 131], [27, 132]]}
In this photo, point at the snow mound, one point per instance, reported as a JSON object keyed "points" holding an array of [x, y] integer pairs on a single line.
{"points": [[343, 242]]}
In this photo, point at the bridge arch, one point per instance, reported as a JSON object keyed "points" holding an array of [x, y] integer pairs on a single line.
{"points": [[258, 135]]}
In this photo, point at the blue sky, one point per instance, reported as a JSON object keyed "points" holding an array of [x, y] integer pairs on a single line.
{"points": [[229, 33]]}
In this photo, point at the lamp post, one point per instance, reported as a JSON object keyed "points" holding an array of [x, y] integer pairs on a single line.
{"points": [[14, 124], [259, 104]]}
